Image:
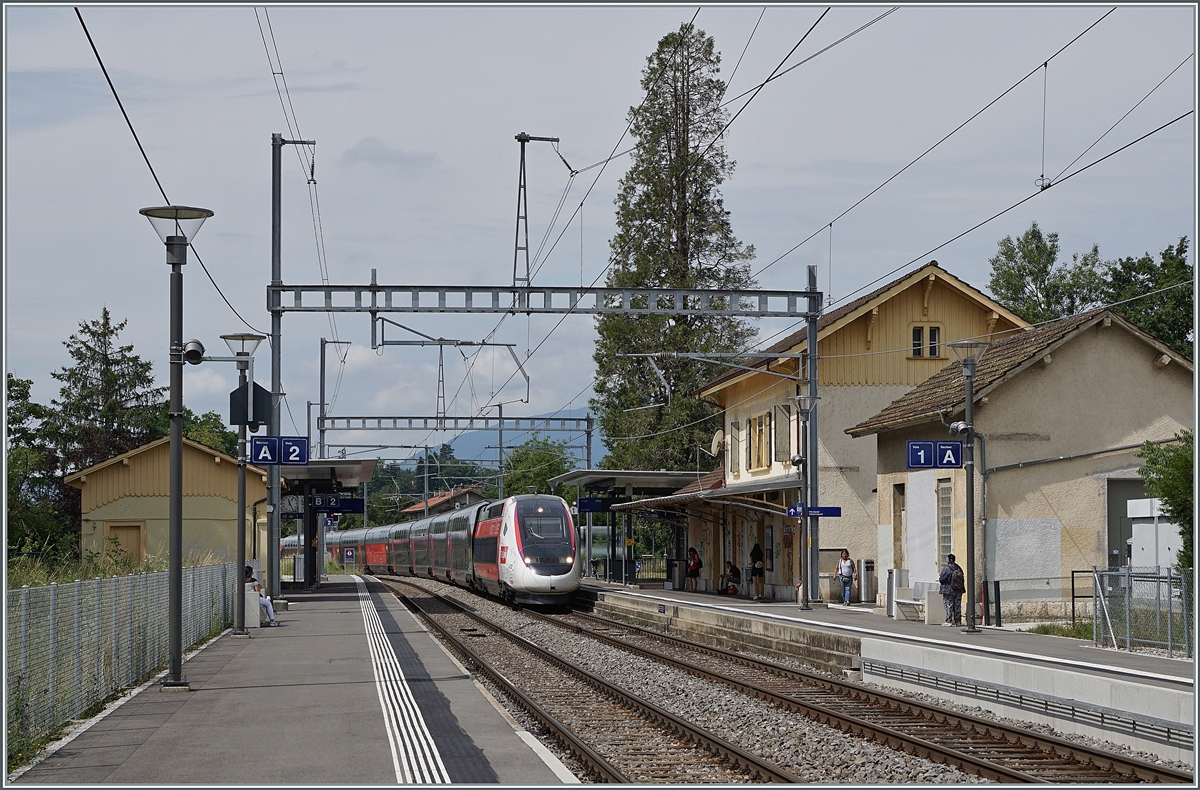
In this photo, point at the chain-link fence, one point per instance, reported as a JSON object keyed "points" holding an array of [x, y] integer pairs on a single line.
{"points": [[1143, 607], [73, 645]]}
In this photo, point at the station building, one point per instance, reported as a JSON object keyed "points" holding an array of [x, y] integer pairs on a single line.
{"points": [[1062, 411], [872, 351], [127, 498]]}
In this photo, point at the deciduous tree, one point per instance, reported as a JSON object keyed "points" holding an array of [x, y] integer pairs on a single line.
{"points": [[1168, 314], [1028, 279], [1168, 475]]}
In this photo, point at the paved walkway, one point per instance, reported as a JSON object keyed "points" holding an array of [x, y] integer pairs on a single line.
{"points": [[350, 689]]}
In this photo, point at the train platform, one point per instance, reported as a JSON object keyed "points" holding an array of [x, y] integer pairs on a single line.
{"points": [[1142, 700], [350, 689]]}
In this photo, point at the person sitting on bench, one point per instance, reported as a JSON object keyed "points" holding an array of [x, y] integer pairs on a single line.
{"points": [[253, 585], [730, 579]]}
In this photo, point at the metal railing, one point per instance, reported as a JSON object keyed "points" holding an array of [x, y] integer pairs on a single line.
{"points": [[71, 646], [1143, 607]]}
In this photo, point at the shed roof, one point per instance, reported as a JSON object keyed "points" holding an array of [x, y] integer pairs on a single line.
{"points": [[945, 393], [79, 477]]}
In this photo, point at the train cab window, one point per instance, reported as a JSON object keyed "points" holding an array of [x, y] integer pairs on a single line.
{"points": [[543, 520]]}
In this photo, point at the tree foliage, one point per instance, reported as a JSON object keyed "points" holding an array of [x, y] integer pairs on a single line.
{"points": [[673, 231], [1028, 279], [36, 523], [1168, 475], [107, 400], [208, 429], [529, 468], [1166, 315]]}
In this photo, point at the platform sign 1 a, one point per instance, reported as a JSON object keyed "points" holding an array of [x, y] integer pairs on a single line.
{"points": [[934, 455]]}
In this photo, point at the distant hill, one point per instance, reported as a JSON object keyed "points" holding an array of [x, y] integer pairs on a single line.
{"points": [[480, 446]]}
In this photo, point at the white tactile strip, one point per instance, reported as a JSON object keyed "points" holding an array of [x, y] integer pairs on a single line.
{"points": [[414, 753]]}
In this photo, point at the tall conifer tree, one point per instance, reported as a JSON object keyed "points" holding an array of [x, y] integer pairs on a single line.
{"points": [[673, 231]]}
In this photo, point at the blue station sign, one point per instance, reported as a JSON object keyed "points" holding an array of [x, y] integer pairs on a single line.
{"points": [[934, 455]]}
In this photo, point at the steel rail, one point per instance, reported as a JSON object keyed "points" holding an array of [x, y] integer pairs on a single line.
{"points": [[603, 768], [668, 721], [1127, 767]]}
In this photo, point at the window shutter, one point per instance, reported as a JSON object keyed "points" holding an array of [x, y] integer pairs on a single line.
{"points": [[734, 447], [783, 433]]}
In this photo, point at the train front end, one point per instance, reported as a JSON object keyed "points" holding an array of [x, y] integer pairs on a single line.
{"points": [[543, 569]]}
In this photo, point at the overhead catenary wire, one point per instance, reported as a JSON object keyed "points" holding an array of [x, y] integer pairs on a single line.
{"points": [[927, 151], [153, 174]]}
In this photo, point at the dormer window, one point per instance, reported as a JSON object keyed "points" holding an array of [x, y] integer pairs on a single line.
{"points": [[926, 341]]}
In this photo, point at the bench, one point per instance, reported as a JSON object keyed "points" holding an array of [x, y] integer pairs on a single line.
{"points": [[256, 613], [909, 607]]}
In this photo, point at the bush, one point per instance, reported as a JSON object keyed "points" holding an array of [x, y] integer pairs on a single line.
{"points": [[1079, 630]]}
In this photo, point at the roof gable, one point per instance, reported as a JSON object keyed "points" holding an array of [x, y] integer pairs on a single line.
{"points": [[831, 322], [123, 458], [944, 392]]}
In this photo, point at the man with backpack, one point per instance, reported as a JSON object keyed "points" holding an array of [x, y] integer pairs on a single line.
{"points": [[953, 586]]}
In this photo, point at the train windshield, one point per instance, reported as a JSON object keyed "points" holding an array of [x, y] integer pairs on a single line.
{"points": [[543, 521]]}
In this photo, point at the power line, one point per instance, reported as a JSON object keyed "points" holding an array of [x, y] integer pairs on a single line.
{"points": [[932, 147]]}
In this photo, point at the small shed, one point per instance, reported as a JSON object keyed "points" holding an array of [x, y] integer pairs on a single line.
{"points": [[127, 499]]}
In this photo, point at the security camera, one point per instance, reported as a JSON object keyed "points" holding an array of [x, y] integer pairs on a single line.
{"points": [[958, 428], [797, 459], [193, 352]]}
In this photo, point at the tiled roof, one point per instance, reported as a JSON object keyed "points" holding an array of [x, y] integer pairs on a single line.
{"points": [[438, 499], [945, 391], [709, 482]]}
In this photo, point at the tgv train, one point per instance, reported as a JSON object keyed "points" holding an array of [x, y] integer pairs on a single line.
{"points": [[521, 549]]}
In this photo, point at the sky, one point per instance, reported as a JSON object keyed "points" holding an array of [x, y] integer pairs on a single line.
{"points": [[414, 112]]}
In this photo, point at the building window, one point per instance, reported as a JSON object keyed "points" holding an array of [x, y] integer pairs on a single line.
{"points": [[945, 519], [758, 445], [926, 342], [734, 447]]}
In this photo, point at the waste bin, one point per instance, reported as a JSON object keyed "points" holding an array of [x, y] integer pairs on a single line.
{"points": [[676, 570], [866, 581]]}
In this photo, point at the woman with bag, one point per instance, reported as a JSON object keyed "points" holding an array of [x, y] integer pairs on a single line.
{"points": [[694, 564], [756, 571], [846, 572]]}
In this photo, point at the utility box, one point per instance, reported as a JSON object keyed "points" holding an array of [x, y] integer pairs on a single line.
{"points": [[1155, 542], [866, 581]]}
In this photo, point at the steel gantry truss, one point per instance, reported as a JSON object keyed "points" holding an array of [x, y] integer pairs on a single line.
{"points": [[375, 298]]}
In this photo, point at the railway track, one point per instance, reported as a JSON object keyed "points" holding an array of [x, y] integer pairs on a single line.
{"points": [[619, 736], [986, 748]]}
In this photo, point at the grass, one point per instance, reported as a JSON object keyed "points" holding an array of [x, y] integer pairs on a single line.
{"points": [[1080, 630], [33, 571]]}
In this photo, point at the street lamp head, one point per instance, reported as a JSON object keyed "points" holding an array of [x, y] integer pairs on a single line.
{"points": [[972, 350], [959, 428], [193, 352], [170, 221], [243, 343], [804, 404]]}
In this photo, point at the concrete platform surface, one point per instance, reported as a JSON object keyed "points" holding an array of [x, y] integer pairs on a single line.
{"points": [[1075, 654], [349, 689]]}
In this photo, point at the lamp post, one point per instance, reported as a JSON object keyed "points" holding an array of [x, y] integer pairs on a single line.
{"points": [[804, 406], [970, 352], [175, 225]]}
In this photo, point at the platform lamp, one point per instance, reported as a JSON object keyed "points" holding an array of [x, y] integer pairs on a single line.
{"points": [[804, 408], [175, 225], [969, 352]]}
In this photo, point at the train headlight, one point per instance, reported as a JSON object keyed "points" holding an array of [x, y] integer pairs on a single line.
{"points": [[570, 560], [529, 560]]}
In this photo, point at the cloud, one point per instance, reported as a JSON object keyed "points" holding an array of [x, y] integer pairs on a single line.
{"points": [[374, 153], [40, 99]]}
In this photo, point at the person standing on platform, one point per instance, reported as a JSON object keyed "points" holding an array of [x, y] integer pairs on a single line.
{"points": [[694, 564], [953, 586], [756, 571], [846, 573]]}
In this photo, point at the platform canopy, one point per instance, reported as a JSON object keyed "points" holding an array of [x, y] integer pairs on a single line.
{"points": [[335, 472], [626, 482]]}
